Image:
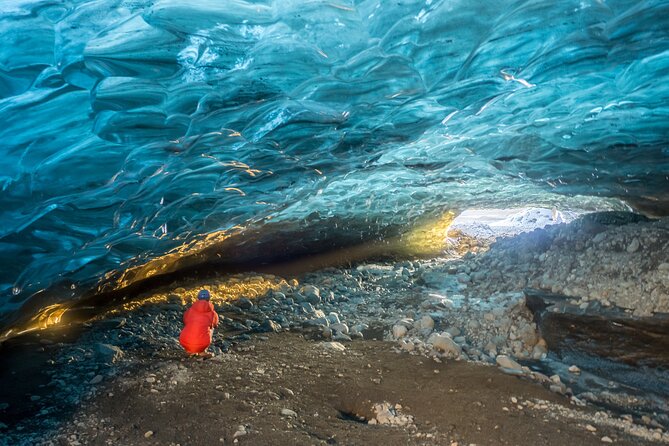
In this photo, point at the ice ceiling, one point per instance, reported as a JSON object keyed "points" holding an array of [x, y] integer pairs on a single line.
{"points": [[132, 127]]}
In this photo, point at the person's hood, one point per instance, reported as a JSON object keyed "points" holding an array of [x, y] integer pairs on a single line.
{"points": [[202, 306]]}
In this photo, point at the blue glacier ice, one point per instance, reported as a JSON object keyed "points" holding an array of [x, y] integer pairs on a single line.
{"points": [[132, 127]]}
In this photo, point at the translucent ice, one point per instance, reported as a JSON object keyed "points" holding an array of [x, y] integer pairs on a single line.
{"points": [[131, 127]]}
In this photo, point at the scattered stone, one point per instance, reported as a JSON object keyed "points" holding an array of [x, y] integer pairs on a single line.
{"points": [[590, 428], [241, 431], [386, 413], [633, 247], [445, 345], [288, 413], [574, 369], [148, 434], [108, 353], [334, 346], [340, 328], [333, 318], [97, 379], [425, 323], [399, 331], [606, 440], [244, 303], [311, 293], [268, 326], [507, 363], [341, 337], [286, 392]]}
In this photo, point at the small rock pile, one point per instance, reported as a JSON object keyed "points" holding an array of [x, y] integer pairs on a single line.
{"points": [[611, 258], [390, 414]]}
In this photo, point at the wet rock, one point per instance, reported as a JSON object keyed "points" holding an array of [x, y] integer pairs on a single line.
{"points": [[307, 308], [491, 349], [108, 353], [97, 379], [356, 330], [340, 328], [311, 294], [333, 318], [453, 331], [539, 350], [268, 326], [337, 336], [244, 303]]}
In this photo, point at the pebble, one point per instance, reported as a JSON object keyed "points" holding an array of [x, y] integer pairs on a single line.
{"points": [[606, 440], [399, 331], [425, 323], [241, 430], [109, 353], [150, 380], [244, 303], [507, 363], [445, 344], [333, 318], [591, 428], [311, 293], [268, 326], [633, 247], [288, 413], [340, 328], [574, 369], [97, 379], [334, 346], [148, 434]]}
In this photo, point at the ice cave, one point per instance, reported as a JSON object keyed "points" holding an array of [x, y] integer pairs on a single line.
{"points": [[417, 222]]}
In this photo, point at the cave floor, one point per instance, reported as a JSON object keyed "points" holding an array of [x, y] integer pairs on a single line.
{"points": [[172, 399]]}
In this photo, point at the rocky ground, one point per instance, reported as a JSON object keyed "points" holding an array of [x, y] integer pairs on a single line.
{"points": [[433, 351]]}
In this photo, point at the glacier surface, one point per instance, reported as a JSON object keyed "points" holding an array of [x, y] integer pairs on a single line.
{"points": [[133, 127]]}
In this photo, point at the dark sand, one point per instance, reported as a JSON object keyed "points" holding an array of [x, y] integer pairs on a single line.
{"points": [[453, 401]]}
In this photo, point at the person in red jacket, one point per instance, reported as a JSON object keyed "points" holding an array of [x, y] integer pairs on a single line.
{"points": [[200, 320]]}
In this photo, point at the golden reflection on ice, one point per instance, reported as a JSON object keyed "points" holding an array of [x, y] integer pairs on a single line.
{"points": [[236, 189], [428, 238], [47, 317], [226, 289], [167, 262]]}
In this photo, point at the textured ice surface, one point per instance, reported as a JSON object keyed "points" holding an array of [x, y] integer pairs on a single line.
{"points": [[129, 127]]}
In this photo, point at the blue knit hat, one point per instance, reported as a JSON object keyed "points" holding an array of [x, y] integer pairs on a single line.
{"points": [[203, 295]]}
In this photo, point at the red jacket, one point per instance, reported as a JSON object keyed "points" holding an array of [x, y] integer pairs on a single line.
{"points": [[200, 320]]}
